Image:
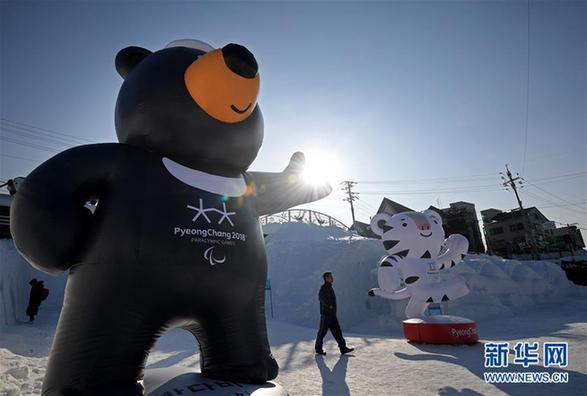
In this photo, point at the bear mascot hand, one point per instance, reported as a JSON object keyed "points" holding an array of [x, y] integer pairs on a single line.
{"points": [[276, 192]]}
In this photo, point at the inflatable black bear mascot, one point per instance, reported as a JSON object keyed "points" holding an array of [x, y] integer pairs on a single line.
{"points": [[174, 240]]}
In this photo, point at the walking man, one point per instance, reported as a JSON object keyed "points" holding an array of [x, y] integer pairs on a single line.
{"points": [[328, 320]]}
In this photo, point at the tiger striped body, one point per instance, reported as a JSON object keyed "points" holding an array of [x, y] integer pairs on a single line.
{"points": [[413, 241]]}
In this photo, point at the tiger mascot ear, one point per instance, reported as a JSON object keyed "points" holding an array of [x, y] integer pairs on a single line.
{"points": [[432, 212], [381, 223]]}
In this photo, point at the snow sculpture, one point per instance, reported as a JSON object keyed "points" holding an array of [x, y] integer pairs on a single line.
{"points": [[413, 241], [174, 240]]}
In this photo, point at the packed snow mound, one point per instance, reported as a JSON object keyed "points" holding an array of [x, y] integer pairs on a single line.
{"points": [[579, 256], [299, 253], [14, 278], [15, 274], [300, 231], [506, 287]]}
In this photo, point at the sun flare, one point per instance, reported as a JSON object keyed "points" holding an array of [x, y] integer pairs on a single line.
{"points": [[321, 168]]}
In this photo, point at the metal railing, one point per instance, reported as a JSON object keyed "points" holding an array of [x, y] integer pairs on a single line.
{"points": [[305, 216]]}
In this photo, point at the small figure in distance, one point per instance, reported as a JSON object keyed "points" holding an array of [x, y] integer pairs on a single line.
{"points": [[328, 319], [38, 293]]}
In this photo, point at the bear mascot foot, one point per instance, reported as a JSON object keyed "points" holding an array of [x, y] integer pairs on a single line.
{"points": [[257, 372], [180, 380]]}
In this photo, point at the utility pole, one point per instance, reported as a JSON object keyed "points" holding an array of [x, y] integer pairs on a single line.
{"points": [[510, 182], [348, 188]]}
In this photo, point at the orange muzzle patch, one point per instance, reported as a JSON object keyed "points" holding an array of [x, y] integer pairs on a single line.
{"points": [[219, 91]]}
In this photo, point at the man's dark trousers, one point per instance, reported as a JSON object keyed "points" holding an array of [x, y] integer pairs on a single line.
{"points": [[329, 322]]}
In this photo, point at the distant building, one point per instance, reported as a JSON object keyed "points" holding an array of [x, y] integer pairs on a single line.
{"points": [[391, 207], [507, 233], [563, 239], [363, 229], [387, 206], [489, 214], [461, 218]]}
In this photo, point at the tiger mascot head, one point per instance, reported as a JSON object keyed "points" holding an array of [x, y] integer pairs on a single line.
{"points": [[410, 234]]}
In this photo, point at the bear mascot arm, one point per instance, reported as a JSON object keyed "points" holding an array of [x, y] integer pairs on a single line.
{"points": [[48, 220], [279, 191]]}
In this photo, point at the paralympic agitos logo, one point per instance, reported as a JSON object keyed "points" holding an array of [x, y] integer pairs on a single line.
{"points": [[209, 255]]}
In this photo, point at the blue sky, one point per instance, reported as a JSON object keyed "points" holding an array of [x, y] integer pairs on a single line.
{"points": [[430, 96]]}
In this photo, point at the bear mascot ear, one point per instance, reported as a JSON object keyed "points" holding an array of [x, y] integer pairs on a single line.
{"points": [[128, 58], [381, 223]]}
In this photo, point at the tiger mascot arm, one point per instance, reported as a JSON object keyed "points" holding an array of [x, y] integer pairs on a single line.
{"points": [[456, 249], [389, 280]]}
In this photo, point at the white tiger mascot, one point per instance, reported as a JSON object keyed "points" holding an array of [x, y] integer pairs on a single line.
{"points": [[413, 241]]}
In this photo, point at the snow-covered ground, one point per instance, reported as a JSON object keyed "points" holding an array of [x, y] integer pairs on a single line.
{"points": [[381, 365], [511, 301]]}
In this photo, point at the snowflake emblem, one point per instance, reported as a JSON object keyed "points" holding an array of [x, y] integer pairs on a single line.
{"points": [[201, 211]]}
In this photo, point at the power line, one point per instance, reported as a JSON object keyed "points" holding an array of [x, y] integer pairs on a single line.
{"points": [[423, 192], [20, 158], [550, 179], [487, 187], [29, 144], [466, 179], [365, 212], [468, 189], [540, 198], [37, 138], [33, 136], [457, 179], [367, 204], [563, 205], [40, 130], [365, 209], [551, 194]]}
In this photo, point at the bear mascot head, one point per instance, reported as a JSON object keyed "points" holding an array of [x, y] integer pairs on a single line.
{"points": [[174, 239], [196, 104]]}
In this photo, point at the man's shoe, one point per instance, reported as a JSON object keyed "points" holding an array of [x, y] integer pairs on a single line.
{"points": [[346, 350], [320, 353]]}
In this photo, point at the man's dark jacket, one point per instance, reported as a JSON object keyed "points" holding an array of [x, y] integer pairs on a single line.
{"points": [[327, 300]]}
